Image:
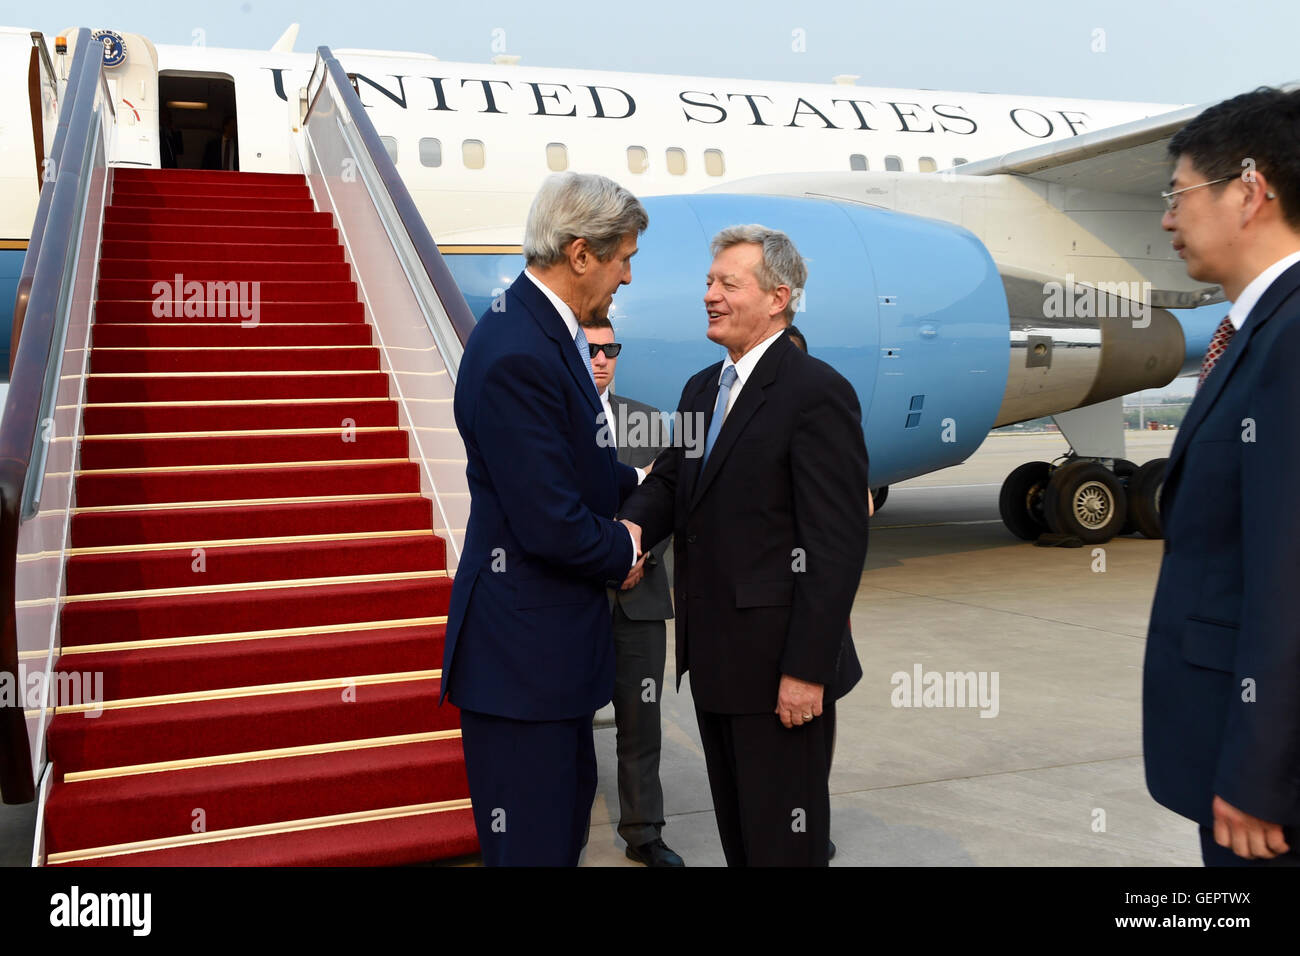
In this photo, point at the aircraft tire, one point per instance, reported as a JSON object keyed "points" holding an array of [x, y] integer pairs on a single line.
{"points": [[1021, 500], [1144, 490], [1086, 500]]}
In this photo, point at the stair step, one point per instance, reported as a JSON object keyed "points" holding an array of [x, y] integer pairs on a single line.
{"points": [[102, 489], [141, 311], [230, 564], [392, 841], [213, 251], [129, 174], [193, 417], [217, 290], [107, 451], [193, 729], [189, 667], [327, 267], [261, 235], [114, 810], [137, 526], [252, 359], [199, 219], [226, 335], [207, 203], [179, 388], [129, 191]]}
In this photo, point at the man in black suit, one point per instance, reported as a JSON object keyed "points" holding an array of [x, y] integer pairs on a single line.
{"points": [[1221, 698], [640, 609], [770, 536], [223, 152]]}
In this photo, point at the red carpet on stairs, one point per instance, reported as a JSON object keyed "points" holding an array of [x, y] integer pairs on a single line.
{"points": [[253, 581]]}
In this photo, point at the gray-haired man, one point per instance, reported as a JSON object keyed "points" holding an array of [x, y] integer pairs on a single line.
{"points": [[770, 535], [529, 656]]}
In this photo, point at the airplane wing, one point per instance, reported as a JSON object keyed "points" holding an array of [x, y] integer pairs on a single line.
{"points": [[1131, 158]]}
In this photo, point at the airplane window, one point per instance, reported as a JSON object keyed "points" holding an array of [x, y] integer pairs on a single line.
{"points": [[858, 162], [959, 162], [430, 151], [927, 164], [472, 153], [390, 144], [713, 164], [676, 161], [557, 157], [638, 160], [893, 164]]}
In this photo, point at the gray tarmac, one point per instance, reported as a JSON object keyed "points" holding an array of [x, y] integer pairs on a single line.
{"points": [[1054, 779]]}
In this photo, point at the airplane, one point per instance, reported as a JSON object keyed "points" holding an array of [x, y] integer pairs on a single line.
{"points": [[975, 260]]}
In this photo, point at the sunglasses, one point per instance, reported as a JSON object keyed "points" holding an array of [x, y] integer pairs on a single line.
{"points": [[611, 349]]}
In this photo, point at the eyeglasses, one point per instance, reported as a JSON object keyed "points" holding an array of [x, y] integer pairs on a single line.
{"points": [[611, 349], [1171, 198]]}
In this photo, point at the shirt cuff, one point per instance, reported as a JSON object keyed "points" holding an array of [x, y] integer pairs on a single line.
{"points": [[636, 552], [640, 474]]}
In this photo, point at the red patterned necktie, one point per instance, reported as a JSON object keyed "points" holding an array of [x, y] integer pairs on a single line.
{"points": [[1218, 345]]}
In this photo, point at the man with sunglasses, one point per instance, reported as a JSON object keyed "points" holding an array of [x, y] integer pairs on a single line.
{"points": [[1221, 695], [639, 609]]}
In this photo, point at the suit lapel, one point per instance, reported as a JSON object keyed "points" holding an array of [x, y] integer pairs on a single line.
{"points": [[548, 318], [1277, 293], [750, 400]]}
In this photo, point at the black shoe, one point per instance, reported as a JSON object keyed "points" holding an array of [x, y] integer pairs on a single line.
{"points": [[654, 853], [831, 854]]}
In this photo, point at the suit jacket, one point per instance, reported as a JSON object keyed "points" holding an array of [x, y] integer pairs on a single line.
{"points": [[770, 537], [212, 154], [1227, 604], [649, 600], [528, 630]]}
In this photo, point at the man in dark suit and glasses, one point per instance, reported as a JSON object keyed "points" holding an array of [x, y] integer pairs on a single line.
{"points": [[1221, 698], [529, 656], [640, 608], [770, 536]]}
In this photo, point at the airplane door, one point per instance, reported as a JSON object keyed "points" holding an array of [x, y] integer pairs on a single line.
{"points": [[131, 68]]}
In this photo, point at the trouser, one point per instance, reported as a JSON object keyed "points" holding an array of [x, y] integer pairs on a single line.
{"points": [[639, 651], [531, 784], [769, 786]]}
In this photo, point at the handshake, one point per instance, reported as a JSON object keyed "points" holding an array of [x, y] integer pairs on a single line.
{"points": [[638, 570]]}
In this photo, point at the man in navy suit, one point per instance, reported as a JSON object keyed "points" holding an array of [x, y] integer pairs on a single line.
{"points": [[1221, 699], [529, 655]]}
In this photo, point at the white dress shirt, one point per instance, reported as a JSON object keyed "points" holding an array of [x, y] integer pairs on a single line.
{"points": [[744, 368], [571, 323], [1258, 286]]}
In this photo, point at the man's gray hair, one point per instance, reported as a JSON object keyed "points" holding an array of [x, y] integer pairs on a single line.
{"points": [[580, 206], [781, 263]]}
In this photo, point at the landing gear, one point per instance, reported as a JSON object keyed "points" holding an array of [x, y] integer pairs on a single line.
{"points": [[1021, 500], [1083, 498], [1086, 500]]}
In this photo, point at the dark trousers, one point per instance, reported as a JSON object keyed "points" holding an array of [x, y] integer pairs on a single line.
{"points": [[769, 787], [532, 784], [639, 651], [1215, 855]]}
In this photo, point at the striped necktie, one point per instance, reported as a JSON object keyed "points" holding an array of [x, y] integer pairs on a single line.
{"points": [[1218, 345]]}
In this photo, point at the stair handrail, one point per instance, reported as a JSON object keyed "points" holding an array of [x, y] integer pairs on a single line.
{"points": [[444, 285], [37, 367]]}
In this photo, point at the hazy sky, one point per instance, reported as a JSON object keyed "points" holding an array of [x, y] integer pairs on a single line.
{"points": [[1193, 52]]}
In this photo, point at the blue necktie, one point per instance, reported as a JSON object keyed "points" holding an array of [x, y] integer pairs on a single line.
{"points": [[719, 411], [580, 340]]}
